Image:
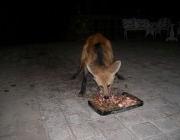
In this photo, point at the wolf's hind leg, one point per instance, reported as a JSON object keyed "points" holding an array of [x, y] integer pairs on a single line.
{"points": [[119, 77]]}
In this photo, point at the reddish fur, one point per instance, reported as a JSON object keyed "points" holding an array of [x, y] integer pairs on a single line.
{"points": [[88, 55], [101, 65]]}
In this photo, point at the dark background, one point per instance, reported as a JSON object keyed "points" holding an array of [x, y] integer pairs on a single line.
{"points": [[43, 21]]}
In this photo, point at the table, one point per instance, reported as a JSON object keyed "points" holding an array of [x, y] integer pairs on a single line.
{"points": [[171, 37]]}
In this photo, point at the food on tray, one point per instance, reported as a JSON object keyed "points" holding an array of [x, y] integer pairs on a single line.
{"points": [[114, 102]]}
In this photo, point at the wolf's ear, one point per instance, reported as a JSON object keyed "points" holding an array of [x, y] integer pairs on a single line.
{"points": [[92, 69], [114, 68]]}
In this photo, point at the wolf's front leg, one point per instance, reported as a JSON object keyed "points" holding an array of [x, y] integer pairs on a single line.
{"points": [[83, 86]]}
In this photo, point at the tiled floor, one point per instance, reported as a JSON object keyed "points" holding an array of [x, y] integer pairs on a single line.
{"points": [[38, 101]]}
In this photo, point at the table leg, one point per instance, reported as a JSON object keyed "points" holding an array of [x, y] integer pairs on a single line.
{"points": [[171, 37]]}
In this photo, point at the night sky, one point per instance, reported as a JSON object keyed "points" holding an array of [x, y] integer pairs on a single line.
{"points": [[38, 21]]}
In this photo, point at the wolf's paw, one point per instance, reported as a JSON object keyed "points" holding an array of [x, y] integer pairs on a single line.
{"points": [[82, 93]]}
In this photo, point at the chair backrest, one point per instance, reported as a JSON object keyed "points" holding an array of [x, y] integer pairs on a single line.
{"points": [[127, 23], [164, 23], [144, 23], [135, 23]]}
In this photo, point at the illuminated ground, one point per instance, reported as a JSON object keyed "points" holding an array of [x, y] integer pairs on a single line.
{"points": [[38, 101]]}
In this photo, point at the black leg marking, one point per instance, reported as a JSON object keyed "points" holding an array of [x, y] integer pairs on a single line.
{"points": [[119, 76], [83, 86], [77, 72]]}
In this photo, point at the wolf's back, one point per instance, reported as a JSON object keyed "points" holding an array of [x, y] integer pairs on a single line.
{"points": [[97, 50]]}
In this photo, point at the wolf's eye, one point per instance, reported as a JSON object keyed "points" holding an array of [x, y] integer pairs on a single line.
{"points": [[100, 86], [109, 85]]}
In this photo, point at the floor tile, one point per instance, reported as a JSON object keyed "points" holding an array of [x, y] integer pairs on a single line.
{"points": [[145, 130], [167, 124]]}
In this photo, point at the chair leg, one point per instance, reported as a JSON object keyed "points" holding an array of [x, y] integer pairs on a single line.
{"points": [[178, 32], [167, 32], [125, 34], [153, 34]]}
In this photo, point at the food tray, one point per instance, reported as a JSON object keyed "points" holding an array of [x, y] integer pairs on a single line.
{"points": [[103, 113]]}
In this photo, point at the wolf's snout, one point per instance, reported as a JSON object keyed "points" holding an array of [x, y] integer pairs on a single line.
{"points": [[106, 97]]}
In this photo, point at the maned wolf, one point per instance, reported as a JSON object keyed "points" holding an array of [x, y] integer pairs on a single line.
{"points": [[97, 58]]}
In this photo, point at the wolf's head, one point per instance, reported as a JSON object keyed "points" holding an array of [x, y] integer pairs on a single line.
{"points": [[104, 77]]}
